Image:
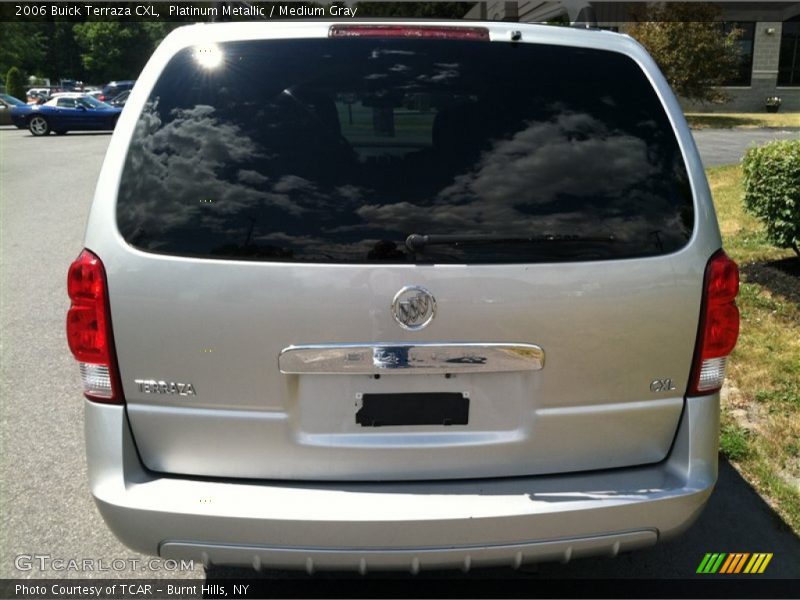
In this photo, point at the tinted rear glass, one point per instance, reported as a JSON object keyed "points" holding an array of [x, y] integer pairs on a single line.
{"points": [[338, 150]]}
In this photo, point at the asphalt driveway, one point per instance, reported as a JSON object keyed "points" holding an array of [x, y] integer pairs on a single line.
{"points": [[727, 146]]}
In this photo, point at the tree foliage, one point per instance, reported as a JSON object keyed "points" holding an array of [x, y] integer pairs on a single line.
{"points": [[22, 45], [15, 83], [62, 54], [689, 46], [117, 50]]}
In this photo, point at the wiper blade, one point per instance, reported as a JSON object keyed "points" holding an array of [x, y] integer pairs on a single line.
{"points": [[416, 241]]}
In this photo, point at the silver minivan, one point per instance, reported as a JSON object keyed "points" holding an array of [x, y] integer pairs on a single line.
{"points": [[401, 295]]}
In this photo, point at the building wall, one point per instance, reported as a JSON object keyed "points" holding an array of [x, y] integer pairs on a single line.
{"points": [[766, 48]]}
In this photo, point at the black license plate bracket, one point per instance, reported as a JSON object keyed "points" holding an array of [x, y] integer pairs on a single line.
{"points": [[430, 408]]}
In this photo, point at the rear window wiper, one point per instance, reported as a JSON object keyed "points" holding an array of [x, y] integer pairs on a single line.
{"points": [[416, 241]]}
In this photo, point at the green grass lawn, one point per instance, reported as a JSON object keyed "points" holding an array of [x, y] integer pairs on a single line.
{"points": [[742, 120], [761, 411]]}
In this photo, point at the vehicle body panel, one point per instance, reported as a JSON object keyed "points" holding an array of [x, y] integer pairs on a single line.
{"points": [[257, 411]]}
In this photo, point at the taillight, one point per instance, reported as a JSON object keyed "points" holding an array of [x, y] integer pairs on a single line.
{"points": [[441, 32], [719, 325], [89, 329]]}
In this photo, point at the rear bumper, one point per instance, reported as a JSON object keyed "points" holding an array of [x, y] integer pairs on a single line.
{"points": [[404, 525]]}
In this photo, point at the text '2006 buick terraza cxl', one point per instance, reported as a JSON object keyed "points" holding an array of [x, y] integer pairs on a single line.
{"points": [[400, 296]]}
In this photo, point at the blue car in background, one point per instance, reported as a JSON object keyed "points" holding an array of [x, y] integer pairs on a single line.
{"points": [[66, 112]]}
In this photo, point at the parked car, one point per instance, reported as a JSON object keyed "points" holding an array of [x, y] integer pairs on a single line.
{"points": [[71, 85], [414, 296], [38, 95], [114, 89], [6, 104], [66, 112], [121, 99]]}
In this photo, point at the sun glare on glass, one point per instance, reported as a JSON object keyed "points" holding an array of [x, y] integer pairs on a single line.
{"points": [[209, 56]]}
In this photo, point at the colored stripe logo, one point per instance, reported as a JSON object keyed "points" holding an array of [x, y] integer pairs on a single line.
{"points": [[734, 563]]}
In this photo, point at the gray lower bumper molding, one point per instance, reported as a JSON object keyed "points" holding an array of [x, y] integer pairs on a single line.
{"points": [[411, 560]]}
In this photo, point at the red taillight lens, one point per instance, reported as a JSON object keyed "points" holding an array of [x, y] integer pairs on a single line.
{"points": [[86, 334], [721, 330], [441, 32], [722, 279], [719, 325], [89, 329]]}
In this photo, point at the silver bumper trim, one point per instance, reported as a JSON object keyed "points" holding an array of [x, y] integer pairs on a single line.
{"points": [[426, 357]]}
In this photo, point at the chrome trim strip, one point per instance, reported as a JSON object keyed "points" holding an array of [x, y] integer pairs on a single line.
{"points": [[407, 358]]}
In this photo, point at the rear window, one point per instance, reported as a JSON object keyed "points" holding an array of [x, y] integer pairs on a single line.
{"points": [[338, 150]]}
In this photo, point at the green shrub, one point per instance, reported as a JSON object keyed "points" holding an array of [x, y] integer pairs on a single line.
{"points": [[15, 83], [772, 190]]}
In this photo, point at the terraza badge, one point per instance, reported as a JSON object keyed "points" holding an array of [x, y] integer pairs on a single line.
{"points": [[153, 386]]}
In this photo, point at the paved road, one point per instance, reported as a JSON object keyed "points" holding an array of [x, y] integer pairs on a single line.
{"points": [[46, 187], [727, 146]]}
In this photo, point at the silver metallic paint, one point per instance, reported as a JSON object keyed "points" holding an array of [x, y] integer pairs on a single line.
{"points": [[215, 321], [392, 524]]}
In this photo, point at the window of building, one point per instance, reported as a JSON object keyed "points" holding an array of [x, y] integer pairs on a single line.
{"points": [[789, 64], [744, 44]]}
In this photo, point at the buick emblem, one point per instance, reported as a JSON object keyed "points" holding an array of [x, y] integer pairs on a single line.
{"points": [[413, 307]]}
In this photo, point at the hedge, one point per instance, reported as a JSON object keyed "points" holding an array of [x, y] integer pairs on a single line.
{"points": [[772, 190], [15, 84]]}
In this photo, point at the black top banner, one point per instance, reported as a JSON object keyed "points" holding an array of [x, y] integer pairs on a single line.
{"points": [[171, 11]]}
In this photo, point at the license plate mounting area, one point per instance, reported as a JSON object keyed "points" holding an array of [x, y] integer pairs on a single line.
{"points": [[432, 408]]}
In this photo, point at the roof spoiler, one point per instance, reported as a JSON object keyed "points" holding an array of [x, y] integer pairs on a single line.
{"points": [[578, 13]]}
